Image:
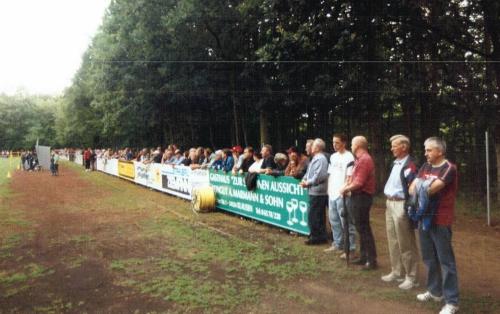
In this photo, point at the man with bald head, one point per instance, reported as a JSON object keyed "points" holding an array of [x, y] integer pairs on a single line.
{"points": [[400, 232], [361, 186]]}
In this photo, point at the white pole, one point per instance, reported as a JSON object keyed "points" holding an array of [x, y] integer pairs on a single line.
{"points": [[487, 179]]}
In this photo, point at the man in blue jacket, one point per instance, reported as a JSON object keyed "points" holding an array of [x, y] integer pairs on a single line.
{"points": [[315, 180]]}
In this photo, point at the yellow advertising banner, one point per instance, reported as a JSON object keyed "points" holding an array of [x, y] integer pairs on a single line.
{"points": [[126, 169]]}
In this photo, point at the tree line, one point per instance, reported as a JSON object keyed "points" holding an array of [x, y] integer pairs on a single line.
{"points": [[220, 73]]}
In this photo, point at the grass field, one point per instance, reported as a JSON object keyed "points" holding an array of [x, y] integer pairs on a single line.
{"points": [[89, 242]]}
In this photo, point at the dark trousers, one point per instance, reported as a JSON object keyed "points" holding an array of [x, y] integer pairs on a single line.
{"points": [[316, 217], [360, 213], [438, 256]]}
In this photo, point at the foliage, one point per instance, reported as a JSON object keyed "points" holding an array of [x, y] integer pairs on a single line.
{"points": [[219, 73]]}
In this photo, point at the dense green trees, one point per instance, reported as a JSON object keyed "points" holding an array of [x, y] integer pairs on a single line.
{"points": [[218, 73], [24, 119]]}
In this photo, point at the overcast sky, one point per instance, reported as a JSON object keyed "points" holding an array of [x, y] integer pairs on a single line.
{"points": [[42, 42]]}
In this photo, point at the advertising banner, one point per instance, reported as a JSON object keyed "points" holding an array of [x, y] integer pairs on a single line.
{"points": [[175, 180], [279, 201], [109, 166], [126, 169]]}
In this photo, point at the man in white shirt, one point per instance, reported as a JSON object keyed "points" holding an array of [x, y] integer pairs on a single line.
{"points": [[338, 173]]}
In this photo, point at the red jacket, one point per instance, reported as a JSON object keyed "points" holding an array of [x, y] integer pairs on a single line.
{"points": [[86, 155]]}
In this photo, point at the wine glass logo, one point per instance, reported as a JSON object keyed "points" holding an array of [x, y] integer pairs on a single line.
{"points": [[289, 209], [295, 204], [303, 210]]}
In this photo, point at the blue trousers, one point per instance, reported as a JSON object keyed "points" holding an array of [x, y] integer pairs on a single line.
{"points": [[439, 259], [335, 207]]}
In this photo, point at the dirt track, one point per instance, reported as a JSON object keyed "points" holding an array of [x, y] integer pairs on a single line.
{"points": [[75, 233]]}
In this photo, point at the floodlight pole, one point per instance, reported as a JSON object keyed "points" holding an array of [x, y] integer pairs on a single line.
{"points": [[487, 179]]}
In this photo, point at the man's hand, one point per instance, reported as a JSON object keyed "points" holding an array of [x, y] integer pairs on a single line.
{"points": [[436, 186], [343, 190], [303, 184]]}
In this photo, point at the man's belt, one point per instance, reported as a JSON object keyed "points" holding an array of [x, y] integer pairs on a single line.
{"points": [[395, 199]]}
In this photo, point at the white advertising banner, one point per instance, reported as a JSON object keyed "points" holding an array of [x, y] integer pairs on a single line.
{"points": [[175, 180], [109, 166]]}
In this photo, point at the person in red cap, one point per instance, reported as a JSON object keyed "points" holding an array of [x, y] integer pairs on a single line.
{"points": [[238, 157]]}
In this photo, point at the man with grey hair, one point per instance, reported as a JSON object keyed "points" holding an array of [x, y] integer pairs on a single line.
{"points": [[362, 187], [315, 180], [400, 233], [435, 240]]}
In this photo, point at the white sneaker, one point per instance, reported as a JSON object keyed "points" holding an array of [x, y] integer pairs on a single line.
{"points": [[449, 309], [391, 277], [332, 248], [408, 284], [427, 296]]}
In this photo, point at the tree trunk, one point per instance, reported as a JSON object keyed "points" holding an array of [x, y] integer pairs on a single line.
{"points": [[264, 129], [236, 122], [244, 124]]}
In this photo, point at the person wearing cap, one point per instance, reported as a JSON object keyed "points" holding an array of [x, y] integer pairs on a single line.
{"points": [[297, 164], [237, 157]]}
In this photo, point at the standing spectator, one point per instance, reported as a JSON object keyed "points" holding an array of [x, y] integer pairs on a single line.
{"points": [[362, 188], [23, 160], [238, 157], [400, 233], [209, 158], [157, 155], [129, 155], [315, 181], [54, 163], [308, 149], [257, 163], [227, 160], [179, 157], [218, 163], [339, 172], [200, 153], [435, 240], [168, 157], [267, 158], [191, 157], [93, 160], [281, 161], [87, 158], [248, 159], [297, 164]]}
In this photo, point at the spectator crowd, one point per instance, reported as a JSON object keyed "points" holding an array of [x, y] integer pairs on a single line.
{"points": [[419, 201]]}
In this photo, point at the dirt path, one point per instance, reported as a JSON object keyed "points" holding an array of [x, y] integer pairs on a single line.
{"points": [[76, 232]]}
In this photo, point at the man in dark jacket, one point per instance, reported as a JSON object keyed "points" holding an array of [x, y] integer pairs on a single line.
{"points": [[267, 158]]}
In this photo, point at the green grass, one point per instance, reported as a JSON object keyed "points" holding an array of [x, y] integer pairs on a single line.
{"points": [[14, 282], [193, 268]]}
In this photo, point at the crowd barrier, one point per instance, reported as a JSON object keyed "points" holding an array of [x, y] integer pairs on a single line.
{"points": [[279, 201]]}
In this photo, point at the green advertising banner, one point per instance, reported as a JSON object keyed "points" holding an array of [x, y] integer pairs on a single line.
{"points": [[278, 201]]}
